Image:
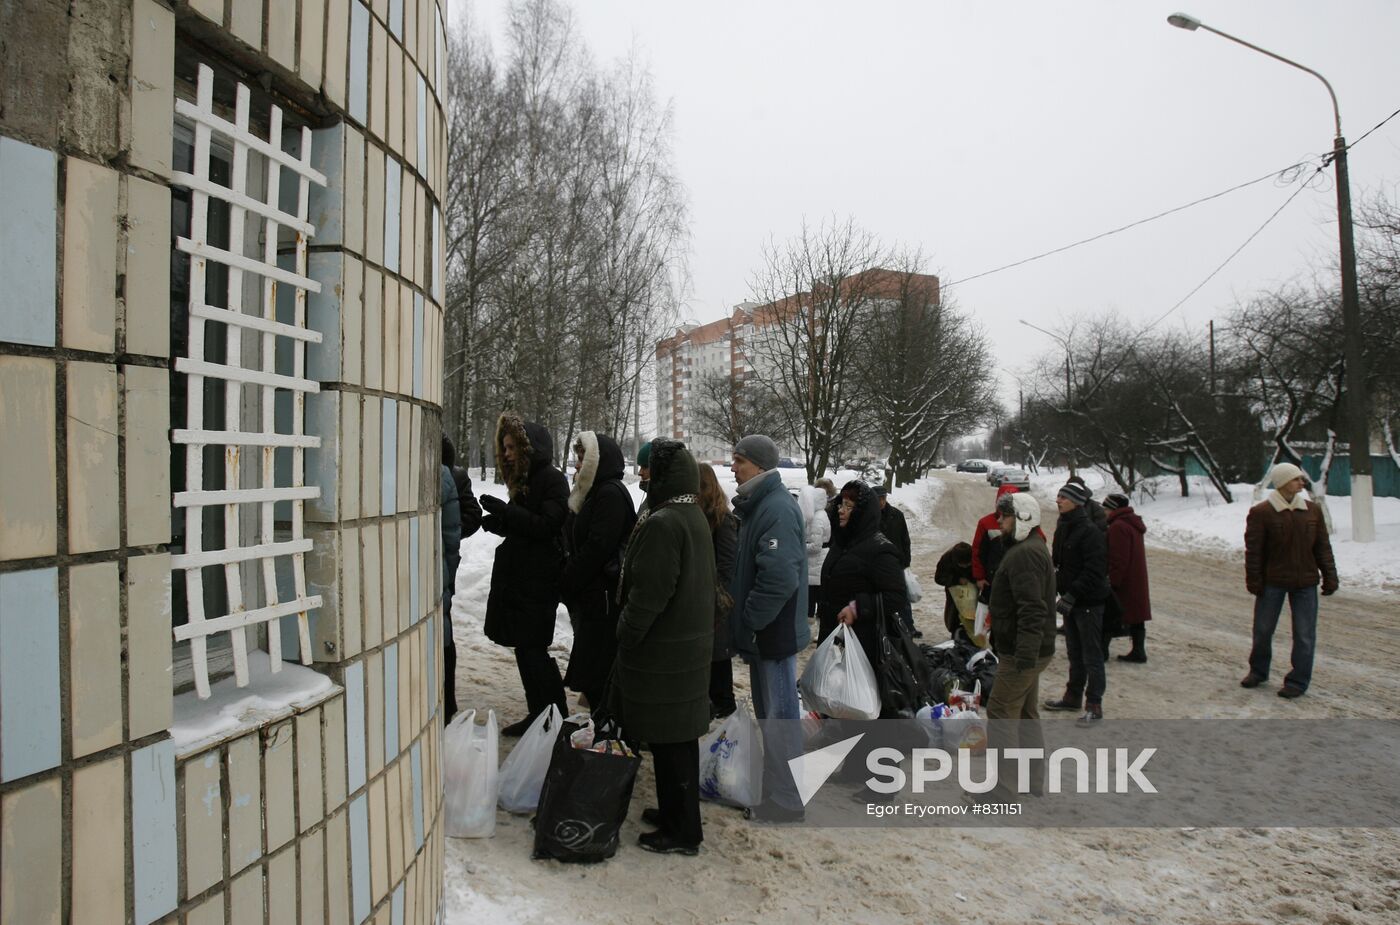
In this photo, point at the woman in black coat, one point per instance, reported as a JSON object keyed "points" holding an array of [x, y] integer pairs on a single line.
{"points": [[862, 568], [602, 518], [524, 599], [724, 536]]}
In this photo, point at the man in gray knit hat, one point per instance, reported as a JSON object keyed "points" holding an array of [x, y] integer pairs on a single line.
{"points": [[769, 620], [1080, 554]]}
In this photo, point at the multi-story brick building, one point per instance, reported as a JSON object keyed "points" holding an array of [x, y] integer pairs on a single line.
{"points": [[220, 374], [730, 348]]}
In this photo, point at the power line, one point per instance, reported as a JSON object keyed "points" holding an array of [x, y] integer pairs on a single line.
{"points": [[1286, 174], [1233, 254], [1373, 128], [1151, 218]]}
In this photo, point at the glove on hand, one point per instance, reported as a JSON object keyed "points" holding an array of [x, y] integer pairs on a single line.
{"points": [[1066, 604], [492, 504]]}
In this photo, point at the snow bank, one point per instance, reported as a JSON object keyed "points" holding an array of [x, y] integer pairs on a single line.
{"points": [[1204, 522]]}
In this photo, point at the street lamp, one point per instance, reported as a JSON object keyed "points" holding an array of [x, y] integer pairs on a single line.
{"points": [[1069, 395], [1363, 524]]}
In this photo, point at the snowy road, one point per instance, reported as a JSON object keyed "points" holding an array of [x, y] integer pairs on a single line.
{"points": [[1197, 644]]}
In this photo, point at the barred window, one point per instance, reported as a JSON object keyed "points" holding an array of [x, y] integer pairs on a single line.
{"points": [[238, 289]]}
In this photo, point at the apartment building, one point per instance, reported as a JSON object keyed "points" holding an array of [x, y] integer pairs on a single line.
{"points": [[728, 348]]}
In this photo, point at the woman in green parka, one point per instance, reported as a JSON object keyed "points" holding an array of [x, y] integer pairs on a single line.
{"points": [[665, 637]]}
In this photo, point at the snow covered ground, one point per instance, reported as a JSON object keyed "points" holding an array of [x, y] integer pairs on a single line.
{"points": [[1199, 641], [1205, 523]]}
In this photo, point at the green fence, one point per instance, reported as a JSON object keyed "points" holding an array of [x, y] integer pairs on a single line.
{"points": [[1385, 475]]}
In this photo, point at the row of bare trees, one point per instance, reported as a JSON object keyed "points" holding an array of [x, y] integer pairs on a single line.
{"points": [[1261, 387], [566, 230], [852, 348]]}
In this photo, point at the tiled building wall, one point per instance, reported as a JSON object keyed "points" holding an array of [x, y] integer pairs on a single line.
{"points": [[332, 813]]}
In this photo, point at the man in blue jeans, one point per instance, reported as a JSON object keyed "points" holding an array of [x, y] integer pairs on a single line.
{"points": [[1080, 554], [769, 619], [1286, 553]]}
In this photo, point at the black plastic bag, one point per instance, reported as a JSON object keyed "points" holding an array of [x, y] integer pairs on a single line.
{"points": [[583, 801], [903, 672]]}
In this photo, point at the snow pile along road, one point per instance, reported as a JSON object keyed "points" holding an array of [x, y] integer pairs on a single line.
{"points": [[1204, 523]]}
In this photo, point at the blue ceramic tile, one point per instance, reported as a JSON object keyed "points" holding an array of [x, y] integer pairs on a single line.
{"points": [[434, 239], [31, 731], [28, 243], [415, 759], [359, 62], [359, 859], [415, 612], [391, 702], [355, 725], [326, 204], [323, 315], [323, 464], [417, 345], [388, 456], [393, 177], [154, 864]]}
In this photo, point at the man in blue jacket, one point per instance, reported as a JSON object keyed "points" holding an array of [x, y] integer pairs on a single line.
{"points": [[769, 619]]}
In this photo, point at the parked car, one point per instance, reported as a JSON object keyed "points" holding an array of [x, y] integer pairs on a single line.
{"points": [[787, 463], [994, 474], [973, 465], [1018, 477]]}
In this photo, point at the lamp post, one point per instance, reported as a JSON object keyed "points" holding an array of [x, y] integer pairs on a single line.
{"points": [[1363, 524], [1069, 394]]}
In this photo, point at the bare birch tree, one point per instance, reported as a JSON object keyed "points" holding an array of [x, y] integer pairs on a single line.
{"points": [[815, 293]]}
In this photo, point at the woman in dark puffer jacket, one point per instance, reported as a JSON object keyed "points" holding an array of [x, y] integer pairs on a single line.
{"points": [[524, 599], [861, 567]]}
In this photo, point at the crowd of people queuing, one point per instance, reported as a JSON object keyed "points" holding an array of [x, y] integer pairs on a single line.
{"points": [[663, 596]]}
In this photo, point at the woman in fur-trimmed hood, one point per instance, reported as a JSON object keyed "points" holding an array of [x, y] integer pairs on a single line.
{"points": [[530, 560], [601, 519]]}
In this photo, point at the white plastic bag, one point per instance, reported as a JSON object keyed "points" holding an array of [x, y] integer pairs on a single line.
{"points": [[469, 767], [731, 761], [912, 590], [839, 681], [982, 623], [522, 773]]}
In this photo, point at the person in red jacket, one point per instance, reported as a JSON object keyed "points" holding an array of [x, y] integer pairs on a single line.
{"points": [[987, 545], [1127, 572]]}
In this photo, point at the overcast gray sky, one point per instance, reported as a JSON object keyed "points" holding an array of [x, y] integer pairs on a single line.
{"points": [[984, 133]]}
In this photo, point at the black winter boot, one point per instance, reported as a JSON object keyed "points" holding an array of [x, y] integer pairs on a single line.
{"points": [[1069, 702]]}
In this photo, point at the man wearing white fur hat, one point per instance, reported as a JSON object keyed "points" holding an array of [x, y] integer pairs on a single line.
{"points": [[1286, 554]]}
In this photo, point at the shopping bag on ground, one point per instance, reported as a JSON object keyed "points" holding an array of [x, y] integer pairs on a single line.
{"points": [[912, 590], [522, 773], [731, 761], [838, 679], [469, 767], [585, 795]]}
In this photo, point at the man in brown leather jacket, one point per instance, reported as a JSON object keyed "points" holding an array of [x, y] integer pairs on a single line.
{"points": [[1286, 553]]}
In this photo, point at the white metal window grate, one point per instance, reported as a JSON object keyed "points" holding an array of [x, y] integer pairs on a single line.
{"points": [[253, 367]]}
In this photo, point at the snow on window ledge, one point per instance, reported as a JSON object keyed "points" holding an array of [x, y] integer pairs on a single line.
{"points": [[231, 711]]}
